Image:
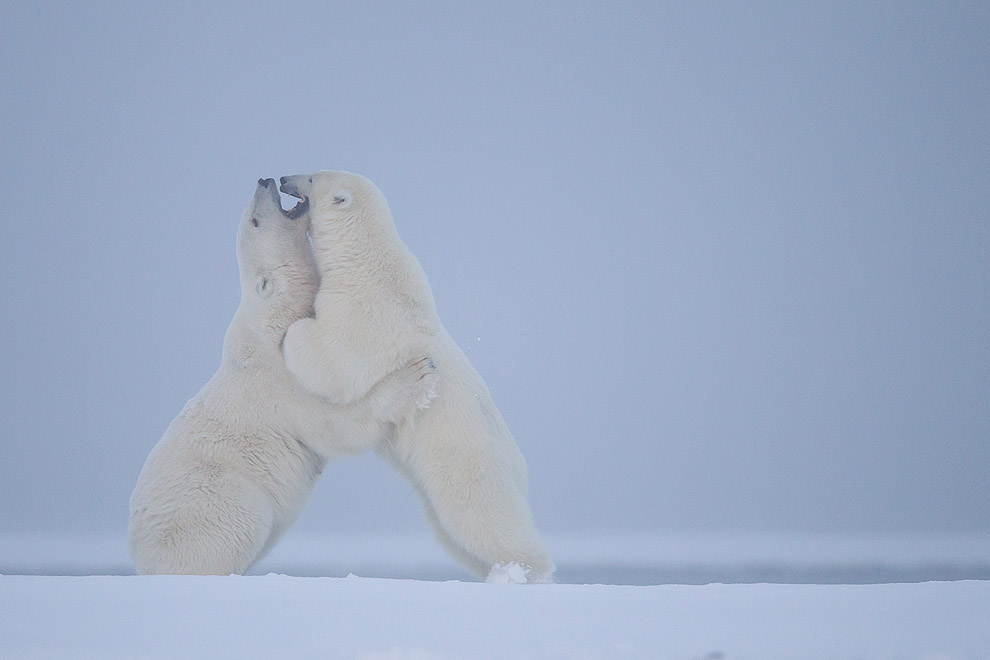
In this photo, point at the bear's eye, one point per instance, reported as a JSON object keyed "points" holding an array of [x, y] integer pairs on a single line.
{"points": [[339, 200], [254, 221]]}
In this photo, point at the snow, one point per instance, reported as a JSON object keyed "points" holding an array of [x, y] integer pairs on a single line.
{"points": [[510, 573], [636, 559], [47, 615], [276, 616]]}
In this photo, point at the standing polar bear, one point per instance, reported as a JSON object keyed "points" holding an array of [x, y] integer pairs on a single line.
{"points": [[375, 312], [234, 469]]}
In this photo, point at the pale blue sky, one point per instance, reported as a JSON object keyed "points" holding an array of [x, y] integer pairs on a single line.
{"points": [[722, 265]]}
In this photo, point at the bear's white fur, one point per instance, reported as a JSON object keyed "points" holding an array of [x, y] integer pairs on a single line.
{"points": [[233, 470], [374, 312]]}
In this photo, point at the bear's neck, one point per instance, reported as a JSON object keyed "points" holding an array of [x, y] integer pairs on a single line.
{"points": [[259, 325], [253, 341], [355, 251]]}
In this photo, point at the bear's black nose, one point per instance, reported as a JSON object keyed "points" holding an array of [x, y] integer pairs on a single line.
{"points": [[281, 180], [266, 182]]}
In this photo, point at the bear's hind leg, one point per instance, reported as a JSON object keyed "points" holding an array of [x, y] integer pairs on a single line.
{"points": [[216, 530], [476, 566], [485, 531]]}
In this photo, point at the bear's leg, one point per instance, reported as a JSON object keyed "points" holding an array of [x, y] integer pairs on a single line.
{"points": [[217, 529], [489, 526], [325, 368], [359, 426], [476, 566]]}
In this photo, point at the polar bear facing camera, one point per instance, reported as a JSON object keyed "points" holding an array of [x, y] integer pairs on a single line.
{"points": [[375, 312], [233, 470]]}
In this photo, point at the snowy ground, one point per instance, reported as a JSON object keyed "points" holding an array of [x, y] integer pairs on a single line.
{"points": [[369, 618], [275, 616], [632, 559]]}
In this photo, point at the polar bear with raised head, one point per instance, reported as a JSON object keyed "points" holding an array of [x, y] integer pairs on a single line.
{"points": [[234, 469], [375, 312]]}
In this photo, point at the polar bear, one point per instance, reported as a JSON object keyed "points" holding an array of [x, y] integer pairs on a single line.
{"points": [[375, 312], [233, 470]]}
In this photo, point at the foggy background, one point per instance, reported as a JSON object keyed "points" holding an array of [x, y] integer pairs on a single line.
{"points": [[724, 266]]}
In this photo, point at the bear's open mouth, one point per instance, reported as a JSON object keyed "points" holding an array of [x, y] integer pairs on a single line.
{"points": [[299, 209]]}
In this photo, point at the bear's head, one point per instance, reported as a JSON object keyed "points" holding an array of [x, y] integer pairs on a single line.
{"points": [[273, 251], [333, 199]]}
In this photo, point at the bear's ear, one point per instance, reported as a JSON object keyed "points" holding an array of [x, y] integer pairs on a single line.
{"points": [[264, 285], [341, 198]]}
